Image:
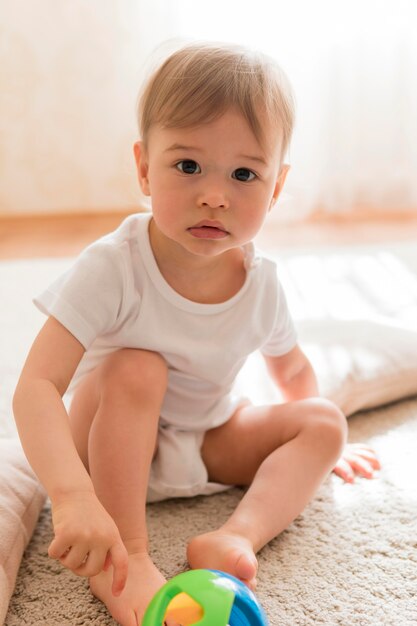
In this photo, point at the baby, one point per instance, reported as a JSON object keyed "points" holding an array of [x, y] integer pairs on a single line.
{"points": [[149, 329]]}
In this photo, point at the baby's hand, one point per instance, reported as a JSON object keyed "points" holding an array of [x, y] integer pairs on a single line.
{"points": [[87, 539], [356, 458]]}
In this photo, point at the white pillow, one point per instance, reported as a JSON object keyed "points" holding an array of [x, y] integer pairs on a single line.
{"points": [[359, 364]]}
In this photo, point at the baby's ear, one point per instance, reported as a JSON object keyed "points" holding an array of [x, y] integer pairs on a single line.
{"points": [[142, 166], [279, 183]]}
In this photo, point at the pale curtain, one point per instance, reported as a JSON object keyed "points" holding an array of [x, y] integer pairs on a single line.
{"points": [[353, 66], [70, 71], [69, 75]]}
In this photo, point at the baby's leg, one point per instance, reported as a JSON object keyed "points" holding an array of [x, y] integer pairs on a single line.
{"points": [[284, 452], [114, 418]]}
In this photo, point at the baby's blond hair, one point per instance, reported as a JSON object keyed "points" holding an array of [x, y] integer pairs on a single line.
{"points": [[201, 81]]}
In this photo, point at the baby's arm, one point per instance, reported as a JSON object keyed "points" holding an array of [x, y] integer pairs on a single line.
{"points": [[86, 538], [295, 377]]}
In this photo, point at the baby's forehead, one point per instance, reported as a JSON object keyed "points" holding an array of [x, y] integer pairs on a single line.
{"points": [[231, 125]]}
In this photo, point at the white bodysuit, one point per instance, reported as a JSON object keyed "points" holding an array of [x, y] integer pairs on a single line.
{"points": [[114, 296]]}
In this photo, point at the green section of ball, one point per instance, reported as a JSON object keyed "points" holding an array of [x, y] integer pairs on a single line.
{"points": [[210, 591]]}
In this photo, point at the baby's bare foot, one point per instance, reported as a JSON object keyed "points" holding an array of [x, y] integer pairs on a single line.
{"points": [[224, 551], [143, 581]]}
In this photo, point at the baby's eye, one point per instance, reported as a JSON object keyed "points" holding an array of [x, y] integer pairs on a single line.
{"points": [[188, 167], [243, 174]]}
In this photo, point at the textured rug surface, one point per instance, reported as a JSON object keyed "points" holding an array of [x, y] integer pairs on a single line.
{"points": [[350, 558]]}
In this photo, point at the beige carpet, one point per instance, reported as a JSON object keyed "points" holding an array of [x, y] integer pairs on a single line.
{"points": [[349, 559]]}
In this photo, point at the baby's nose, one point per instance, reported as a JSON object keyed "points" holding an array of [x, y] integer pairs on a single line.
{"points": [[214, 199]]}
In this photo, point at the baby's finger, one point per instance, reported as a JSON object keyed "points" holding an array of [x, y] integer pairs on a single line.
{"points": [[93, 564], [107, 562], [75, 557], [361, 447], [120, 562], [360, 465], [344, 470], [369, 455], [58, 548]]}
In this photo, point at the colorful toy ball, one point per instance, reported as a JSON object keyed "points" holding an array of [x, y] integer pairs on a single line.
{"points": [[207, 598]]}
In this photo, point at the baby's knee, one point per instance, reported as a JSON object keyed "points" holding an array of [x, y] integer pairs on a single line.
{"points": [[133, 371], [328, 423]]}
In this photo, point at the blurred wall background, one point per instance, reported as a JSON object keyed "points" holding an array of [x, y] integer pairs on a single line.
{"points": [[70, 72]]}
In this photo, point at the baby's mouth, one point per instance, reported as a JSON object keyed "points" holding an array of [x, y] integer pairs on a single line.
{"points": [[208, 230]]}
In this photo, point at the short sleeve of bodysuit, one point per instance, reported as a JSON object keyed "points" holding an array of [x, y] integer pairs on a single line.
{"points": [[283, 337], [88, 297]]}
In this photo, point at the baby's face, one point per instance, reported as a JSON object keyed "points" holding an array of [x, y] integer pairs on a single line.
{"points": [[212, 185]]}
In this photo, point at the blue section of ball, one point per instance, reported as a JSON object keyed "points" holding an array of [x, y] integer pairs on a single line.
{"points": [[246, 611]]}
